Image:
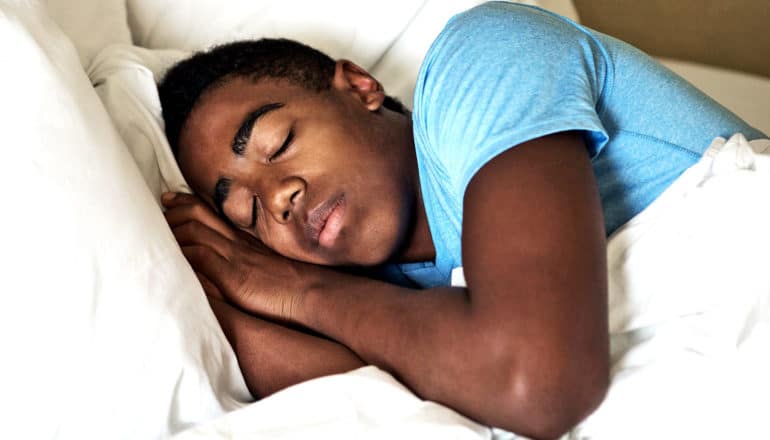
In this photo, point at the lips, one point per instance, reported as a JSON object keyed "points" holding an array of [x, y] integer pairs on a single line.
{"points": [[325, 221]]}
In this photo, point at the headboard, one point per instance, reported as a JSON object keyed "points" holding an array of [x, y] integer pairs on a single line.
{"points": [[727, 33]]}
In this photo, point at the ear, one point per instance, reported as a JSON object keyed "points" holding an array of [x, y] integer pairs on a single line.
{"points": [[350, 77]]}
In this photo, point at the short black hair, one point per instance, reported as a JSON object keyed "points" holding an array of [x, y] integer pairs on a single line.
{"points": [[298, 63]]}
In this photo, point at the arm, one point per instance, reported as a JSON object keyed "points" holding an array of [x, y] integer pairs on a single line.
{"points": [[273, 357], [525, 346]]}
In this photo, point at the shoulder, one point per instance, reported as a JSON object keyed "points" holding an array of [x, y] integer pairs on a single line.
{"points": [[495, 42], [497, 76], [510, 21]]}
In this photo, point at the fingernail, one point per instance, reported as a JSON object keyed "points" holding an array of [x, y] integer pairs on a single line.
{"points": [[167, 196]]}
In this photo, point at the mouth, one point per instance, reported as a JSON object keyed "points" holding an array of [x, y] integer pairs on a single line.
{"points": [[325, 221]]}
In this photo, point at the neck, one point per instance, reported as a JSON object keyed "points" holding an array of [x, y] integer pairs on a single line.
{"points": [[418, 242], [419, 245]]}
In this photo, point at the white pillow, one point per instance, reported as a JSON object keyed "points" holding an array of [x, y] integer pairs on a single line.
{"points": [[389, 38], [360, 30], [125, 79], [91, 24], [398, 67], [125, 76], [105, 330]]}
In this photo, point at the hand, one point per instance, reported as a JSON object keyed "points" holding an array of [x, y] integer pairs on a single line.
{"points": [[233, 265]]}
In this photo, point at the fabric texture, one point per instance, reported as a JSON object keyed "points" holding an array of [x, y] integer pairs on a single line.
{"points": [[366, 403], [105, 330], [332, 26], [745, 94], [502, 74], [91, 24], [690, 325], [125, 77]]}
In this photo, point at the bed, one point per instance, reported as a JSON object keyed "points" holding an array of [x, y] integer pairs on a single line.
{"points": [[107, 333]]}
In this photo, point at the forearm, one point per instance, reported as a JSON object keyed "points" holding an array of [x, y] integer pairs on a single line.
{"points": [[526, 346], [273, 357], [468, 354], [429, 339]]}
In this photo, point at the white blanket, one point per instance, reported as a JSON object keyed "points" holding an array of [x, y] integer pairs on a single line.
{"points": [[363, 404], [689, 314], [689, 306]]}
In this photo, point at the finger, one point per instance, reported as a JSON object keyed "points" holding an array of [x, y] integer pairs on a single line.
{"points": [[218, 271], [198, 211], [174, 199], [212, 291], [196, 233]]}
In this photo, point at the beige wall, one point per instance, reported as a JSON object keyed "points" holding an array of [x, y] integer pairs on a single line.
{"points": [[727, 33]]}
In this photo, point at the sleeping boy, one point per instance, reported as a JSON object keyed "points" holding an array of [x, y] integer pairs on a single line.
{"points": [[328, 219]]}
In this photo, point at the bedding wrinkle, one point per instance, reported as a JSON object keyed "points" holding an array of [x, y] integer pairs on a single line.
{"points": [[94, 261], [126, 84]]}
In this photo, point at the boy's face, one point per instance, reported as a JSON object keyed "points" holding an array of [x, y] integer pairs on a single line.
{"points": [[321, 177]]}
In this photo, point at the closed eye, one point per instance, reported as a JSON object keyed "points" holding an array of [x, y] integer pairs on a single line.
{"points": [[284, 147]]}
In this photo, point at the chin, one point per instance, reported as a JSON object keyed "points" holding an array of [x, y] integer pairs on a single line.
{"points": [[377, 252]]}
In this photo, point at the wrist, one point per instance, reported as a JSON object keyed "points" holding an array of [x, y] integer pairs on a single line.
{"points": [[322, 306], [309, 281]]}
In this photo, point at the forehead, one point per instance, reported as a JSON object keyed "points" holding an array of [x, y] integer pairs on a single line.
{"points": [[207, 135], [223, 107]]}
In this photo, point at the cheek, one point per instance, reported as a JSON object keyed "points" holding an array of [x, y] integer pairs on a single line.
{"points": [[239, 207]]}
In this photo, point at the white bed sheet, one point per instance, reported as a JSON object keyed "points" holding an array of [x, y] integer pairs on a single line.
{"points": [[364, 404], [690, 307]]}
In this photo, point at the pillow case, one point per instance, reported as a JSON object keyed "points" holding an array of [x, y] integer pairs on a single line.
{"points": [[125, 77], [91, 25], [361, 31], [387, 38], [106, 332]]}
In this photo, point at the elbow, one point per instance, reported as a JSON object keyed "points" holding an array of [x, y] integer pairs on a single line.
{"points": [[553, 414], [547, 403]]}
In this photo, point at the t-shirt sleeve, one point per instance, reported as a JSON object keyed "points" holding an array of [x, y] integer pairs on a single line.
{"points": [[502, 74]]}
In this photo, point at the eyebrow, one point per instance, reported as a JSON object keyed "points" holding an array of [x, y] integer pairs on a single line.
{"points": [[247, 126]]}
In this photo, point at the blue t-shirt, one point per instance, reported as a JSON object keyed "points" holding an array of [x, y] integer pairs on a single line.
{"points": [[502, 74]]}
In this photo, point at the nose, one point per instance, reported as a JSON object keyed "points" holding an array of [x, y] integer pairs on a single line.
{"points": [[285, 199]]}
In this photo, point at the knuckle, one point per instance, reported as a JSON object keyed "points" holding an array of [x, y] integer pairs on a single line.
{"points": [[241, 279], [241, 289], [290, 306], [185, 229], [196, 226], [197, 210]]}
